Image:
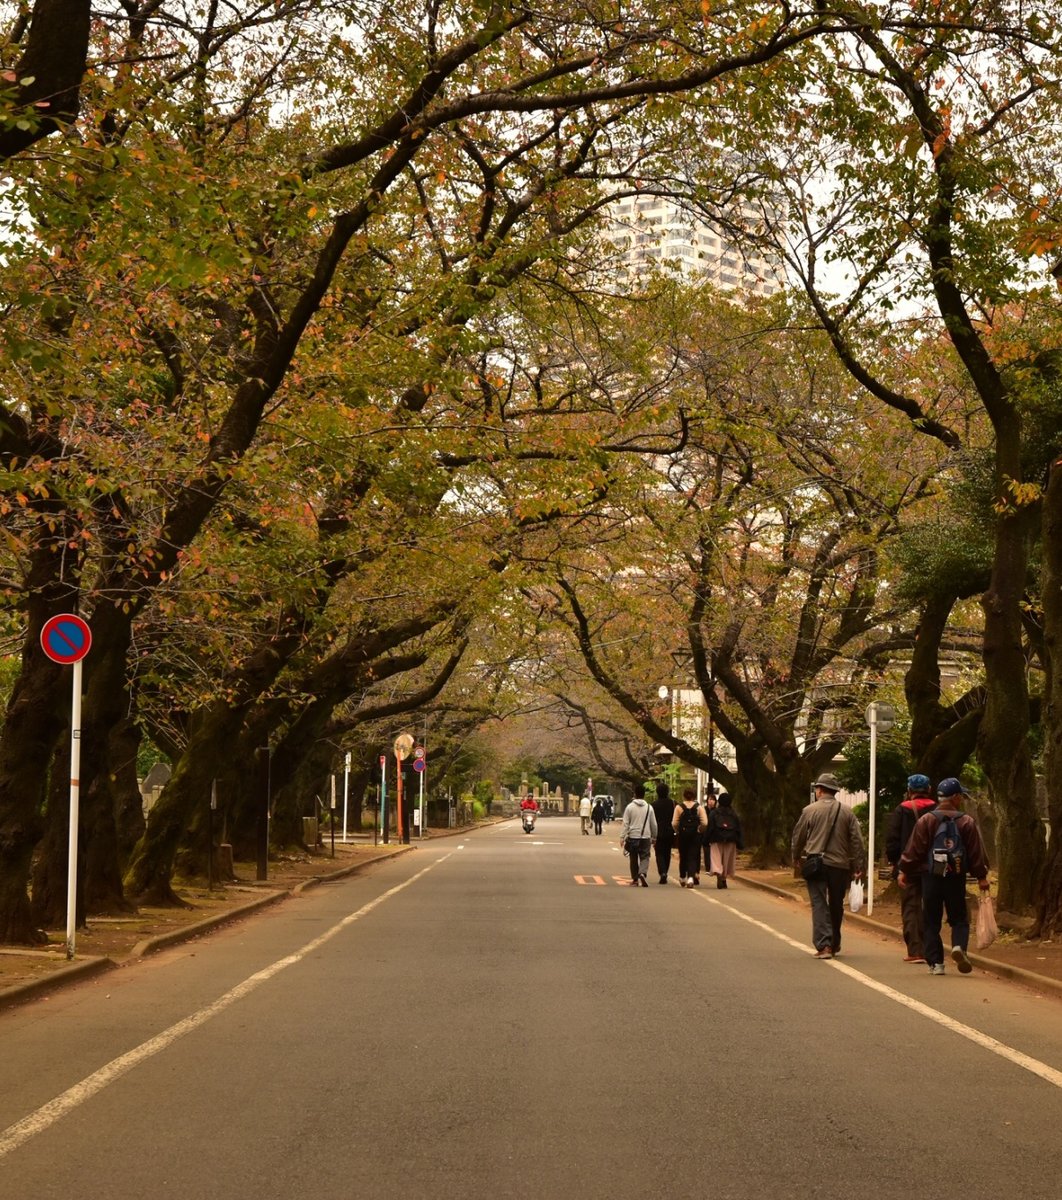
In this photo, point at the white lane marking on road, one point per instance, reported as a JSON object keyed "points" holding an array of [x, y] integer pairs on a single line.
{"points": [[46, 1116], [1020, 1059]]}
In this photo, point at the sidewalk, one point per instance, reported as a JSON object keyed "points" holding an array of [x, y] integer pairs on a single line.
{"points": [[115, 941], [1035, 964]]}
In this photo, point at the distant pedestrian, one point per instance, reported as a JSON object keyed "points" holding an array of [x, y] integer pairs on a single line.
{"points": [[711, 802], [945, 847], [687, 821], [898, 829], [725, 839], [827, 830], [584, 815], [597, 814], [638, 833], [610, 810], [663, 808]]}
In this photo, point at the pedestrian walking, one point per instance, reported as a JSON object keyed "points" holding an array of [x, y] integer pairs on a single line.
{"points": [[918, 801], [597, 814], [945, 847], [725, 839], [584, 815], [663, 808], [638, 833], [711, 802], [687, 822], [827, 850]]}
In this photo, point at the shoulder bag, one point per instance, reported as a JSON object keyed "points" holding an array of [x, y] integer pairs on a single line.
{"points": [[813, 866]]}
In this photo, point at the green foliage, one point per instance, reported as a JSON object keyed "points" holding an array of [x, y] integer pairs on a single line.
{"points": [[893, 768]]}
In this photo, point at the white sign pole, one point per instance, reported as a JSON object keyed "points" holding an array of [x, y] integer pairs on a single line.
{"points": [[422, 774], [75, 797], [346, 791], [872, 713]]}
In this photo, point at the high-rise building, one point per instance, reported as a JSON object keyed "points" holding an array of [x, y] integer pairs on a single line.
{"points": [[653, 230]]}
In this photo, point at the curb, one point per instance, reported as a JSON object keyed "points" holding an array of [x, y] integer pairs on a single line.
{"points": [[1042, 983], [343, 872], [9, 997], [48, 983], [187, 932]]}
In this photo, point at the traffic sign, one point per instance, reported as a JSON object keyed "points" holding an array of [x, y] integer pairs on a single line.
{"points": [[418, 752], [418, 764], [66, 638], [881, 715]]}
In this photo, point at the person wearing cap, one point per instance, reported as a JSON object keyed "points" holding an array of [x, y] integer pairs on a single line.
{"points": [[828, 827], [918, 801], [945, 893]]}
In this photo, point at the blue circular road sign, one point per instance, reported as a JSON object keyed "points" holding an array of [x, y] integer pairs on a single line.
{"points": [[66, 638]]}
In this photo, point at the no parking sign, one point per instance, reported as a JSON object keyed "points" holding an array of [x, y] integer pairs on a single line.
{"points": [[66, 638]]}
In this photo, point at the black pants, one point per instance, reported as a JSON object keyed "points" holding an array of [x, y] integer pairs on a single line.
{"points": [[944, 894], [689, 845], [663, 855]]}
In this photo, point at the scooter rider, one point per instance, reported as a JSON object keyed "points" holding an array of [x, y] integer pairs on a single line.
{"points": [[528, 812]]}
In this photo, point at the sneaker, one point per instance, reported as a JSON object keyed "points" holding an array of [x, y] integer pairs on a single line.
{"points": [[914, 958], [682, 883], [643, 881], [663, 879], [721, 883], [825, 952], [937, 969], [695, 881], [958, 956]]}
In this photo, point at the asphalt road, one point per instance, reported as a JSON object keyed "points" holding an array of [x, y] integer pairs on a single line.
{"points": [[497, 1017]]}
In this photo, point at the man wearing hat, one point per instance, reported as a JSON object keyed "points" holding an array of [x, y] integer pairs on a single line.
{"points": [[944, 869], [828, 828], [918, 801]]}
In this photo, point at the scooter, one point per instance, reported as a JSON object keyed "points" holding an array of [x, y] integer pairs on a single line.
{"points": [[527, 819]]}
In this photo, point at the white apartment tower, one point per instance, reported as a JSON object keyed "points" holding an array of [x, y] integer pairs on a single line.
{"points": [[647, 230]]}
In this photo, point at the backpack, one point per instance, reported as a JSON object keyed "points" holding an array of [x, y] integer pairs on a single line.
{"points": [[690, 821], [946, 852], [725, 825]]}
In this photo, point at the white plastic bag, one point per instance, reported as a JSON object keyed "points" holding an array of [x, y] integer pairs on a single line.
{"points": [[855, 895], [987, 929]]}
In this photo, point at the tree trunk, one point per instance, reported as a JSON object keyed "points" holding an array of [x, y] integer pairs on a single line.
{"points": [[214, 731], [1003, 741], [49, 873], [106, 707], [1049, 916], [128, 802], [32, 727], [942, 738]]}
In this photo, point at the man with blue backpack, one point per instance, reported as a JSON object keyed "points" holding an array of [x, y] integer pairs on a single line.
{"points": [[945, 847]]}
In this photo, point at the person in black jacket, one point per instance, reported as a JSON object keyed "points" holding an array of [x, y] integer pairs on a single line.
{"points": [[902, 820], [725, 839], [663, 807], [711, 801]]}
